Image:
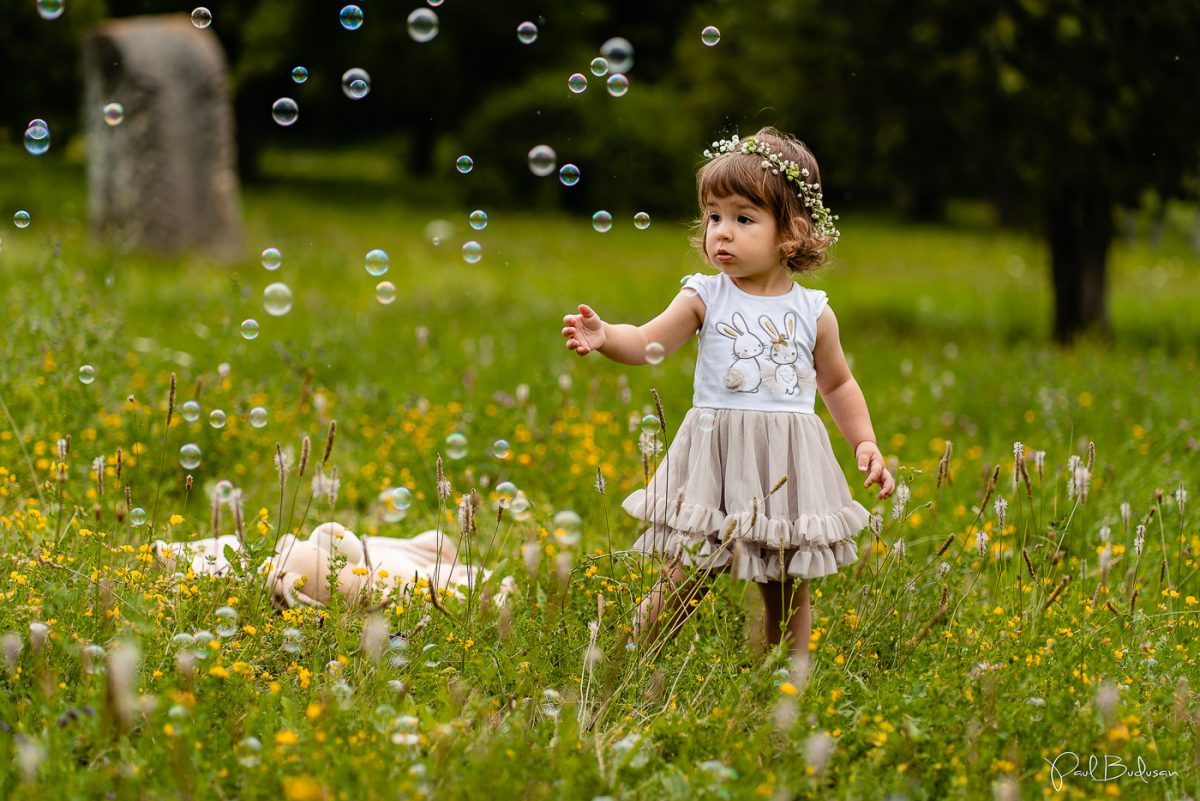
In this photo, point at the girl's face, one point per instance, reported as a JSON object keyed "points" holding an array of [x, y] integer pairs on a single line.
{"points": [[741, 238]]}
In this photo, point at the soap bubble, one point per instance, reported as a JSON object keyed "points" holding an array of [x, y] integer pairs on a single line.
{"points": [[190, 411], [299, 74], [550, 702], [377, 262], [478, 219], [618, 84], [501, 449], [706, 422], [542, 160], [351, 17], [568, 528], [384, 718], [292, 640], [272, 258], [285, 111], [650, 424], [50, 9], [710, 35], [182, 640], [356, 83], [602, 221], [520, 506], [114, 113], [527, 32], [618, 52], [506, 490], [37, 138], [385, 292], [87, 374], [21, 219], [217, 418], [189, 456], [465, 164], [137, 516], [472, 252], [641, 221], [422, 25], [258, 416], [456, 445], [599, 67], [402, 498], [277, 299], [397, 650], [577, 82], [201, 640], [226, 621], [391, 513], [248, 752], [249, 328], [201, 17], [569, 175], [224, 490], [655, 353], [438, 231]]}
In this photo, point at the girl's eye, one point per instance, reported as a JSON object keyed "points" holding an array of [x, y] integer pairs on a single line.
{"points": [[744, 219], [714, 217]]}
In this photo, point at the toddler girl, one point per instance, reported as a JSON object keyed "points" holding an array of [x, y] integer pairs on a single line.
{"points": [[766, 347]]}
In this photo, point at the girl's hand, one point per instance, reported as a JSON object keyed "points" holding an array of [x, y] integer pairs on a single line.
{"points": [[584, 331], [870, 461]]}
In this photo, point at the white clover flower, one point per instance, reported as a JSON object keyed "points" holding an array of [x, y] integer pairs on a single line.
{"points": [[981, 541], [1001, 507]]}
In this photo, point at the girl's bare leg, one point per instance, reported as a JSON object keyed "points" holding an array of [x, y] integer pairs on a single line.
{"points": [[773, 611], [799, 625], [669, 603]]}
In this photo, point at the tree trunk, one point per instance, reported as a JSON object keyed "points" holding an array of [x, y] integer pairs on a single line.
{"points": [[1079, 231]]}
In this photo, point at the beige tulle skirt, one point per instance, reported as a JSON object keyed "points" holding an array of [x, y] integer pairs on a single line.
{"points": [[709, 504]]}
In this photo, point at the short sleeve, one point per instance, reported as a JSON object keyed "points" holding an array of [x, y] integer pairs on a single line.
{"points": [[701, 284], [817, 301]]}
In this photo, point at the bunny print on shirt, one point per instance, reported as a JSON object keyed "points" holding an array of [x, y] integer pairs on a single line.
{"points": [[785, 373], [745, 374]]}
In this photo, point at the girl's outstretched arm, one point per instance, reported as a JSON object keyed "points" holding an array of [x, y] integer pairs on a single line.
{"points": [[844, 399], [625, 343]]}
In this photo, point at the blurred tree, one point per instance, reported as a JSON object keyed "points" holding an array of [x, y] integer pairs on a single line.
{"points": [[1055, 110]]}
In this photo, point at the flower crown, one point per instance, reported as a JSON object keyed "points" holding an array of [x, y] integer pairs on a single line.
{"points": [[809, 193]]}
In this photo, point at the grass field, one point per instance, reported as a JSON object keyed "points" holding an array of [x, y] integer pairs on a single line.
{"points": [[1060, 631]]}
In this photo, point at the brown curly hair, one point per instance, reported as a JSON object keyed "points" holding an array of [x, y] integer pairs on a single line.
{"points": [[801, 249]]}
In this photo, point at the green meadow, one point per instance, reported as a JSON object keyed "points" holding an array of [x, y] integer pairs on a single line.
{"points": [[964, 664]]}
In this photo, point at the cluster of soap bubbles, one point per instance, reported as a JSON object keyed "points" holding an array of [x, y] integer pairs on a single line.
{"points": [[37, 137], [602, 221], [513, 500], [356, 83]]}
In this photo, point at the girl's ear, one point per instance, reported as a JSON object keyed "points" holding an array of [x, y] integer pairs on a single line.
{"points": [[739, 322], [790, 320], [768, 326]]}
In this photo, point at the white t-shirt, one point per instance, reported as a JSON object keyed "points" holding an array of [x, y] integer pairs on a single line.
{"points": [[756, 352]]}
